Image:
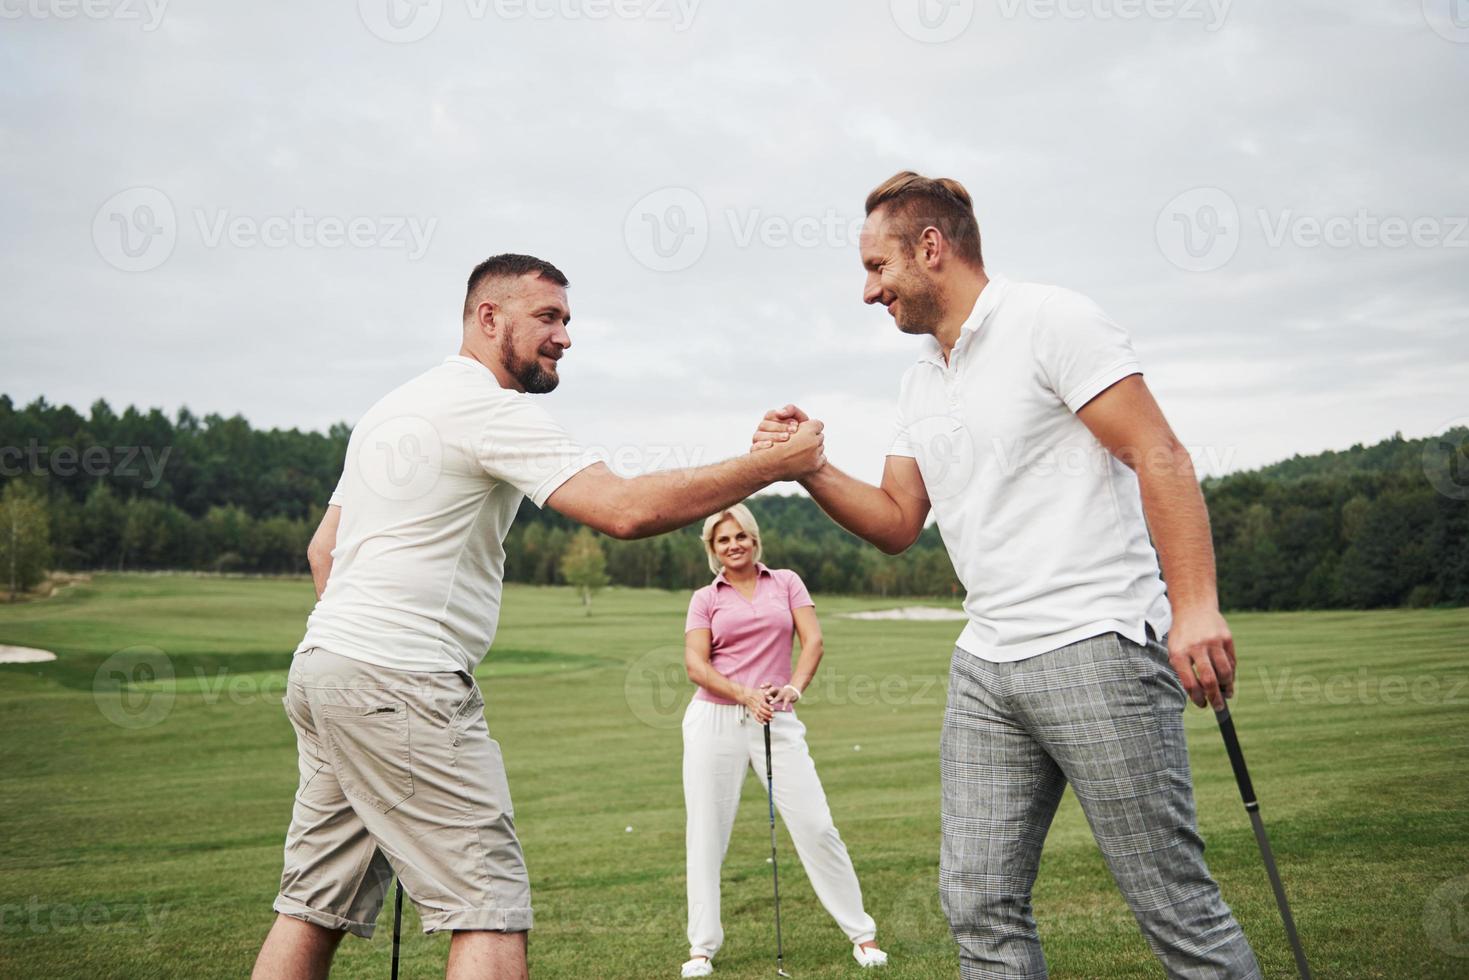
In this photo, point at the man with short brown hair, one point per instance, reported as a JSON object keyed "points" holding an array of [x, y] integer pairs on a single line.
{"points": [[1027, 429], [398, 773]]}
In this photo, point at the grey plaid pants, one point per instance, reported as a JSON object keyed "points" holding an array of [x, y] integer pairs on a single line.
{"points": [[1106, 716]]}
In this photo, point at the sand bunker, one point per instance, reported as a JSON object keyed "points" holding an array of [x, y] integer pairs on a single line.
{"points": [[909, 612], [25, 655]]}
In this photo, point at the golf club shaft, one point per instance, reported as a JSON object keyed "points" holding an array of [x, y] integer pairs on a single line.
{"points": [[774, 866], [397, 924], [1252, 807]]}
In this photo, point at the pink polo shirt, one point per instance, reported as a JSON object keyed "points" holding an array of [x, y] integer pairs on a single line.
{"points": [[751, 640]]}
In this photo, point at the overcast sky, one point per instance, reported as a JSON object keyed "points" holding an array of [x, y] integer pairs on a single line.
{"points": [[270, 208]]}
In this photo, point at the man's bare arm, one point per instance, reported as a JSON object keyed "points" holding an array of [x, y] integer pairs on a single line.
{"points": [[1127, 420], [654, 503], [319, 551], [889, 516]]}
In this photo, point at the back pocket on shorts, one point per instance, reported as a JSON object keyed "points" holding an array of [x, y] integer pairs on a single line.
{"points": [[370, 751]]}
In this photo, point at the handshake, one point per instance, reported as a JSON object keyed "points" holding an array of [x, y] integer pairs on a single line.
{"points": [[794, 442]]}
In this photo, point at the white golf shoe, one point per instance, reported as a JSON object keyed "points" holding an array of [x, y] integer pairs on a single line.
{"points": [[697, 967], [869, 956]]}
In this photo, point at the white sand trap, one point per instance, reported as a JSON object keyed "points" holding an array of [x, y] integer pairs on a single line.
{"points": [[25, 655], [909, 612]]}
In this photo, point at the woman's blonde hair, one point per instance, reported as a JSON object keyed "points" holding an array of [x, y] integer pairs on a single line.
{"points": [[741, 515]]}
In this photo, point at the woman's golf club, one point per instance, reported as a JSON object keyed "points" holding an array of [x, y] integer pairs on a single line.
{"points": [[1252, 807], [780, 969]]}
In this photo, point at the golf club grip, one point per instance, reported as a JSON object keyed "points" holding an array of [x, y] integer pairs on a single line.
{"points": [[1236, 758]]}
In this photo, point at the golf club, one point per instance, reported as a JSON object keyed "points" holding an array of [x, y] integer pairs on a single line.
{"points": [[397, 923], [1252, 807], [780, 969]]}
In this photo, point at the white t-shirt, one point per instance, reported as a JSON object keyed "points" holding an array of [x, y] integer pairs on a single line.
{"points": [[1044, 526], [434, 475]]}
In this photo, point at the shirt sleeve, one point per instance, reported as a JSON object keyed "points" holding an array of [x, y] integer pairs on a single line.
{"points": [[1079, 349], [901, 444], [699, 612], [797, 591], [523, 446], [335, 500]]}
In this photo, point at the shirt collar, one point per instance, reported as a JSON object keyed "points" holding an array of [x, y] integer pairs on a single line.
{"points": [[461, 359], [984, 305], [760, 569]]}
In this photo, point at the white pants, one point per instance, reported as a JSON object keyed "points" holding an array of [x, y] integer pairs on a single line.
{"points": [[719, 741]]}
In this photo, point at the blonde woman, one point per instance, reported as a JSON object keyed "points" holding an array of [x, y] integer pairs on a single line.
{"points": [[737, 648]]}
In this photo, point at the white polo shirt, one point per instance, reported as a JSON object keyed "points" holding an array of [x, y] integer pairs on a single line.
{"points": [[1044, 526], [434, 475]]}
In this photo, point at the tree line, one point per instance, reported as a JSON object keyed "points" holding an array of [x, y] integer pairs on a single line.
{"points": [[1371, 526]]}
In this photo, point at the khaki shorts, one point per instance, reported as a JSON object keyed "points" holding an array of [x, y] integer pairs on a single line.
{"points": [[398, 775]]}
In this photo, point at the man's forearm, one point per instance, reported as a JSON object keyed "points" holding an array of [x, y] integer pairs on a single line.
{"points": [[865, 510], [666, 501], [321, 570], [1179, 521]]}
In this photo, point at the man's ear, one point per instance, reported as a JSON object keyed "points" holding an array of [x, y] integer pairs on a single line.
{"points": [[487, 318], [930, 246]]}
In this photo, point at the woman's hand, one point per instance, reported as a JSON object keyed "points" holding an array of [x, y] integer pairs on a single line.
{"points": [[781, 698], [757, 706]]}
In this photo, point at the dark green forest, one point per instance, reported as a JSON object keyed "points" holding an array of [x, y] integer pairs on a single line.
{"points": [[1370, 526]]}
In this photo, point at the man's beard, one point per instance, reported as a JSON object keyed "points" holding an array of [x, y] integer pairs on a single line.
{"points": [[921, 307], [535, 379]]}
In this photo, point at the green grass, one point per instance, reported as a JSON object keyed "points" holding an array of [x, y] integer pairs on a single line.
{"points": [[153, 850]]}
